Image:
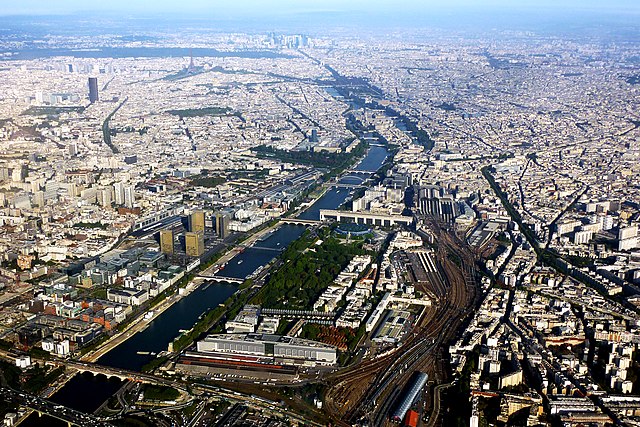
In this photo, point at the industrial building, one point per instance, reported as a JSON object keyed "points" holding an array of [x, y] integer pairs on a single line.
{"points": [[284, 349], [395, 325]]}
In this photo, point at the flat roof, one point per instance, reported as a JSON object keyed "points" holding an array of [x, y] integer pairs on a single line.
{"points": [[268, 338]]}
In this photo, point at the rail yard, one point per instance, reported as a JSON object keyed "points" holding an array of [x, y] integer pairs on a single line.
{"points": [[367, 391]]}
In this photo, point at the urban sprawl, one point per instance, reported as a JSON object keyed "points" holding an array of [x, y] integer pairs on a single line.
{"points": [[435, 230]]}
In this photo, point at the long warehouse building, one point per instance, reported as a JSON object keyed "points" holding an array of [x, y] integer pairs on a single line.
{"points": [[284, 349], [409, 395]]}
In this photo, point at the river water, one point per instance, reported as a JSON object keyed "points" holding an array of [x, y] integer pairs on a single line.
{"points": [[262, 252], [137, 351], [84, 392], [140, 348], [332, 199], [374, 159], [336, 196]]}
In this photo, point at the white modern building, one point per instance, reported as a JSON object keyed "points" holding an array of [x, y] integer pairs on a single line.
{"points": [[288, 350]]}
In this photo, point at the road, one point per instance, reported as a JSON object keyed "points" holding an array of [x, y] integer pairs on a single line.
{"points": [[52, 409], [435, 414], [137, 325]]}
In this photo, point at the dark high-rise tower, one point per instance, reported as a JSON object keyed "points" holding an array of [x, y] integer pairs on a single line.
{"points": [[222, 225], [93, 89]]}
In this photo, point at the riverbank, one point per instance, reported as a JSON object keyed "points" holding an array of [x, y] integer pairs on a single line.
{"points": [[156, 335], [138, 324]]}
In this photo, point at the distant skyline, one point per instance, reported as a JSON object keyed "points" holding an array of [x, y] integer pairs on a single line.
{"points": [[314, 17], [239, 8]]}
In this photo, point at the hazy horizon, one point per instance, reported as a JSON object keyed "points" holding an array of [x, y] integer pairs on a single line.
{"points": [[321, 17], [242, 8]]}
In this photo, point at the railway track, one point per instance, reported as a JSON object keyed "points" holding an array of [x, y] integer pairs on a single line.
{"points": [[367, 390]]}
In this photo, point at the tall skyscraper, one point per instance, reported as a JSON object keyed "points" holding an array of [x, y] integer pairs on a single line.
{"points": [[93, 89], [73, 149], [222, 225], [129, 196], [166, 242], [194, 243], [39, 199], [104, 197], [196, 221], [118, 191]]}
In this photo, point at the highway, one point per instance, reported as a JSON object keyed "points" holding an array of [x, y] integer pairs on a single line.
{"points": [[52, 409]]}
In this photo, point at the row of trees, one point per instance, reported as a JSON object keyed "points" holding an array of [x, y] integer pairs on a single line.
{"points": [[36, 380], [306, 273], [318, 159], [200, 112]]}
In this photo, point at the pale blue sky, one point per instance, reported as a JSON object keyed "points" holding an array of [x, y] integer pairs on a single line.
{"points": [[237, 8]]}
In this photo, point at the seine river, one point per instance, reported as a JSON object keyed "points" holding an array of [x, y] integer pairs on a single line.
{"points": [[86, 392]]}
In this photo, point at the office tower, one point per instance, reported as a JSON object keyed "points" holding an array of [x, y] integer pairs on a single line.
{"points": [[104, 197], [18, 174], [222, 225], [607, 222], [73, 149], [93, 89], [39, 199], [627, 232], [118, 190], [194, 243], [196, 221], [166, 242], [314, 135], [628, 238], [129, 196], [131, 160]]}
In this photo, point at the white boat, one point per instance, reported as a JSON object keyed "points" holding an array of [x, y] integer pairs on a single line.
{"points": [[240, 262]]}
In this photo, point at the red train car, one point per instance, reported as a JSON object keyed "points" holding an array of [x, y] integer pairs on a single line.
{"points": [[411, 420]]}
